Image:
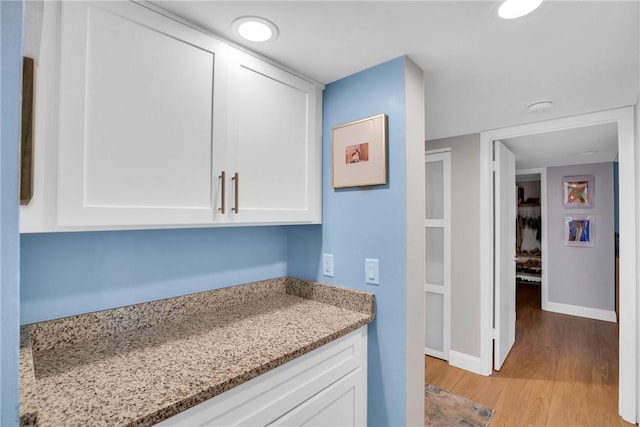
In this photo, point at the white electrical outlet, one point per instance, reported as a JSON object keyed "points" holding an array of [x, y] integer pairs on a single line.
{"points": [[327, 265], [371, 271]]}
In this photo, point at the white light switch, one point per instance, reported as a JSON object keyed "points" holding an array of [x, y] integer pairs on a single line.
{"points": [[371, 271], [327, 265]]}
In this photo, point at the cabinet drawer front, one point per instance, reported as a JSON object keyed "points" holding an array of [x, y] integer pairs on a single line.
{"points": [[137, 120], [268, 397], [337, 405]]}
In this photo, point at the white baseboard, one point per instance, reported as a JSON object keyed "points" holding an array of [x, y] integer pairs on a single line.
{"points": [[576, 310], [466, 362], [436, 354]]}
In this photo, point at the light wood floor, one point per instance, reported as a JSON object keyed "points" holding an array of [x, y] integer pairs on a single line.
{"points": [[562, 371]]}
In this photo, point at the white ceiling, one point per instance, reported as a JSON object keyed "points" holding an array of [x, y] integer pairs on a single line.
{"points": [[481, 72], [591, 144]]}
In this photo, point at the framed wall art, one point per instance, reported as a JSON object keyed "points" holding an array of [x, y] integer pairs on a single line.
{"points": [[579, 231], [359, 152], [578, 191]]}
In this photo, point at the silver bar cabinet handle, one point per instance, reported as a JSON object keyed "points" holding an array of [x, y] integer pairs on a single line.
{"points": [[223, 195], [236, 179]]}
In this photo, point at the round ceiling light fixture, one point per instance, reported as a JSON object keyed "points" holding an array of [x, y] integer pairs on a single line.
{"points": [[538, 107], [255, 29], [512, 9]]}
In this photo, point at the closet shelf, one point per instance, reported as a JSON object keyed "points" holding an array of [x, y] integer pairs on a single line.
{"points": [[528, 275], [525, 255], [528, 282]]}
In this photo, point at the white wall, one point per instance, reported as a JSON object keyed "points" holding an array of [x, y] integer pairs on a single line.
{"points": [[415, 244], [579, 276], [465, 241]]}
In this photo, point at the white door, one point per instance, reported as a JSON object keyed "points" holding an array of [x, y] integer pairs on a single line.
{"points": [[437, 227], [505, 253]]}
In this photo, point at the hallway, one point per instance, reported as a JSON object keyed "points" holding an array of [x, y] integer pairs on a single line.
{"points": [[562, 371]]}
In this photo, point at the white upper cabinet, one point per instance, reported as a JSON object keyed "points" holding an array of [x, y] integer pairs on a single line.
{"points": [[140, 118], [144, 122], [274, 144]]}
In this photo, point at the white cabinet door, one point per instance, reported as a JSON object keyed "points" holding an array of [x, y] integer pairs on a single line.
{"points": [[275, 143], [339, 404], [140, 118]]}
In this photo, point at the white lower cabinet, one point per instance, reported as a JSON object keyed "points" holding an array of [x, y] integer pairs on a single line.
{"points": [[333, 406], [326, 387]]}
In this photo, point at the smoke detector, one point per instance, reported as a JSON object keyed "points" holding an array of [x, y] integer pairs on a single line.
{"points": [[538, 107]]}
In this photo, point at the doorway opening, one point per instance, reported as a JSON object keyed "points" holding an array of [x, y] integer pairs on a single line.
{"points": [[529, 231], [623, 120]]}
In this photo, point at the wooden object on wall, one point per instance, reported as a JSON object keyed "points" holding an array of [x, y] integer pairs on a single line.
{"points": [[618, 292], [26, 142]]}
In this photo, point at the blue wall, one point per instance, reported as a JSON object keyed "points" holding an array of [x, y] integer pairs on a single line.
{"points": [[70, 273], [364, 223], [10, 90]]}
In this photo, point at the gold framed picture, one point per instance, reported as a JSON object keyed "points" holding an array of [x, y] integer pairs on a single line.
{"points": [[359, 152]]}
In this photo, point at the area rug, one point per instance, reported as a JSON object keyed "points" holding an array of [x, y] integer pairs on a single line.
{"points": [[443, 409]]}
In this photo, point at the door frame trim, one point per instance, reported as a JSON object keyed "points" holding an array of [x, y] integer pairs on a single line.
{"points": [[628, 165]]}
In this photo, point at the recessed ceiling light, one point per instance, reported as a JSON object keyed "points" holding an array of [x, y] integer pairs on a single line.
{"points": [[588, 153], [255, 29], [537, 107], [511, 9]]}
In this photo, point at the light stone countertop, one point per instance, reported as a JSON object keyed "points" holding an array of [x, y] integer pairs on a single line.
{"points": [[138, 365]]}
